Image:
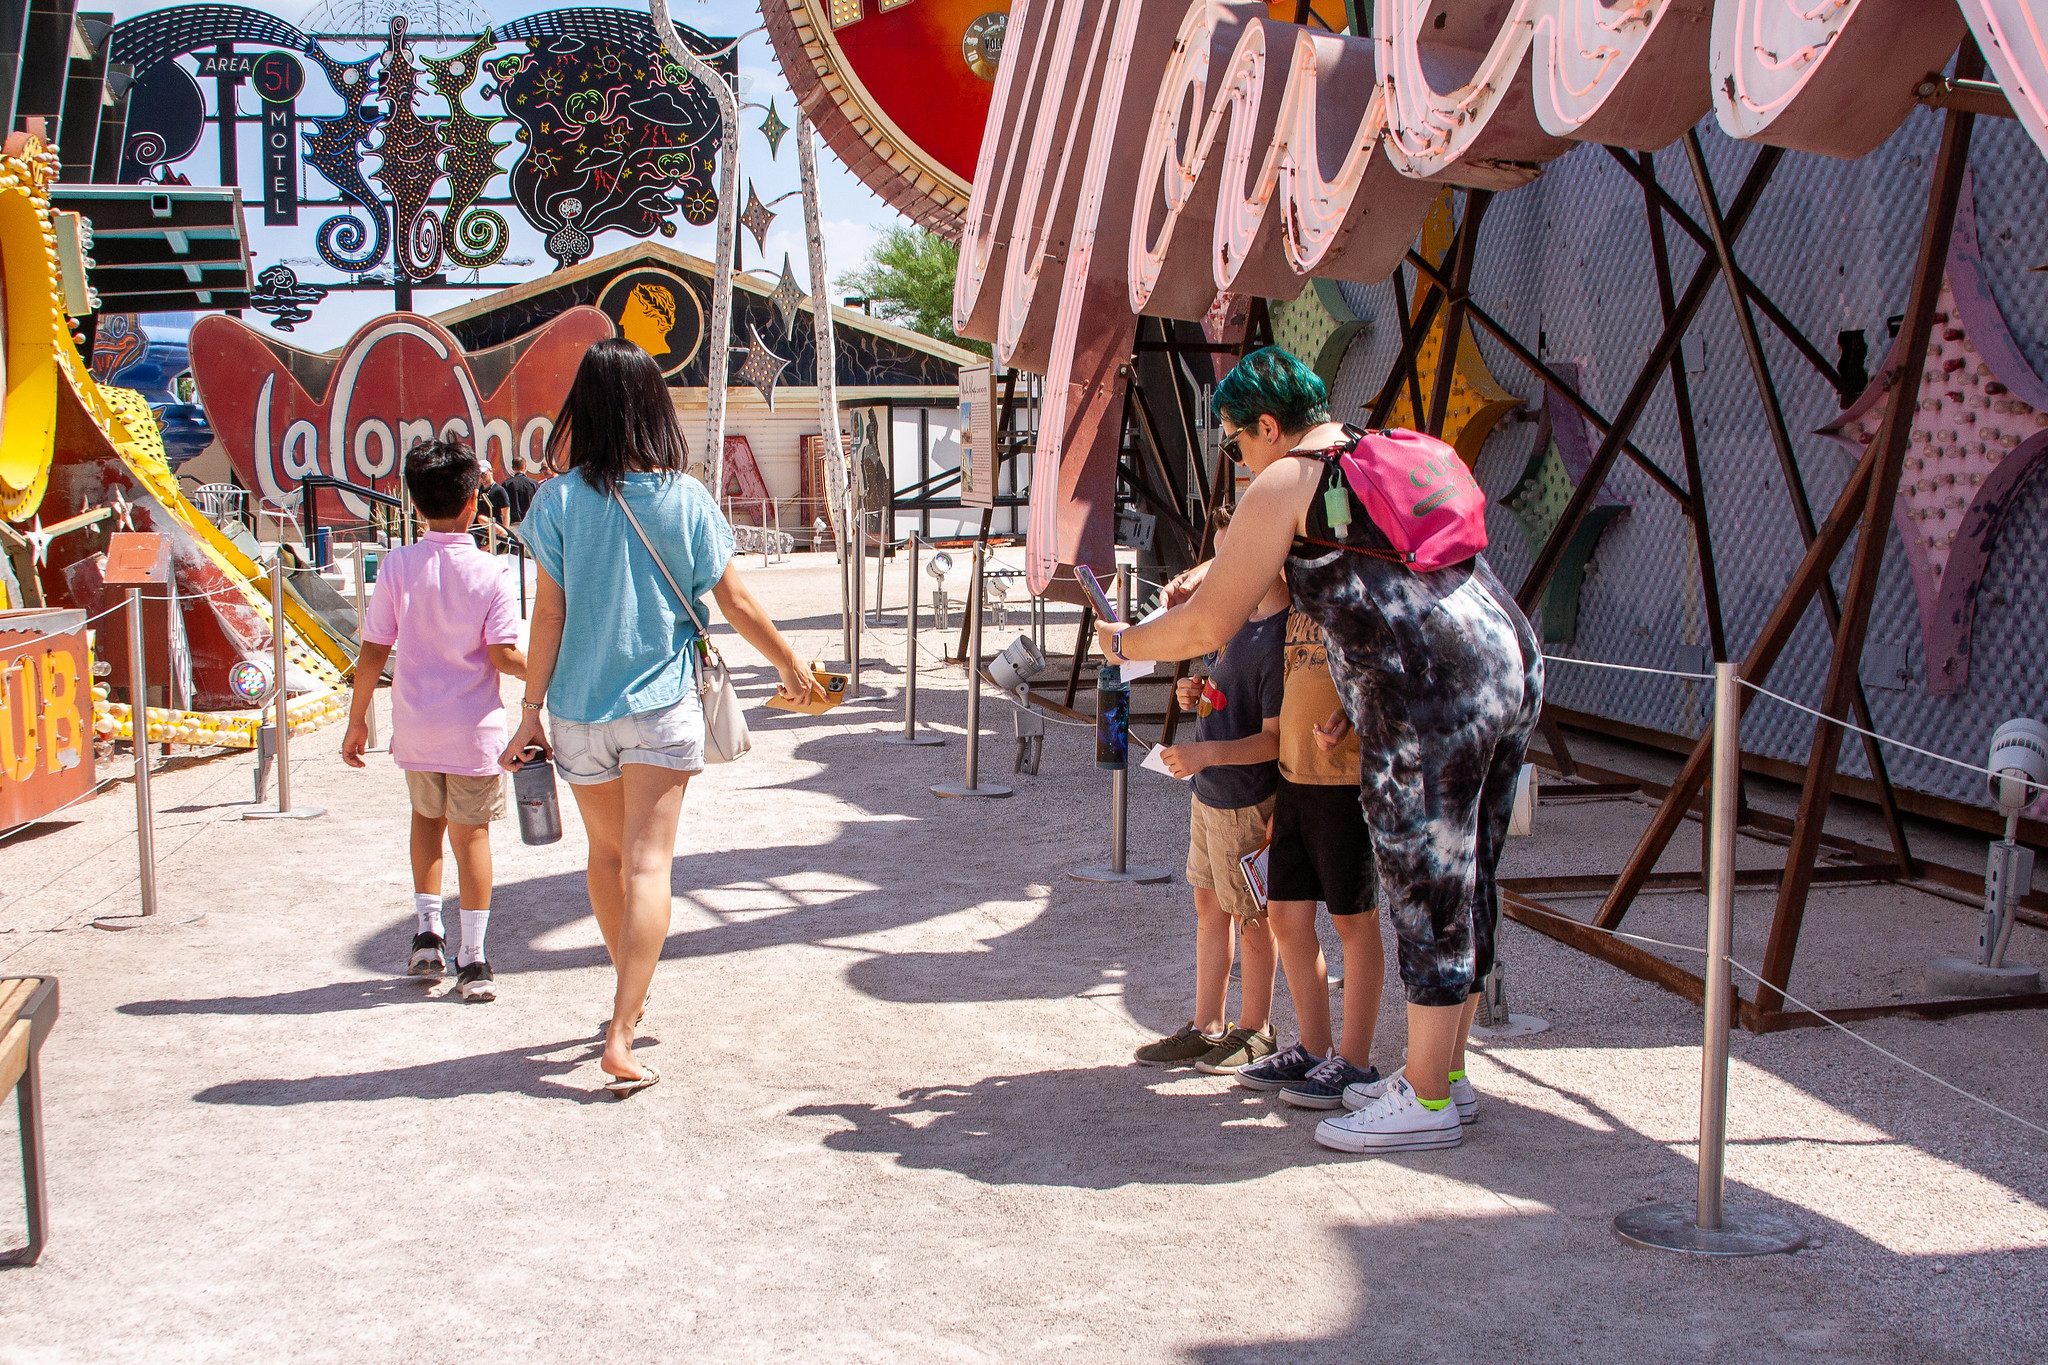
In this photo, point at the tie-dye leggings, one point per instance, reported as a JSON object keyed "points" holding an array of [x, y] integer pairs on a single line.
{"points": [[1443, 678]]}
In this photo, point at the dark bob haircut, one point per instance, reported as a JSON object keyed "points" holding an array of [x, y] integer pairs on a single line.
{"points": [[441, 476], [1273, 383], [617, 420]]}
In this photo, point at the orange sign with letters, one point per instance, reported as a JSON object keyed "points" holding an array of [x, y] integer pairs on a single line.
{"points": [[45, 713]]}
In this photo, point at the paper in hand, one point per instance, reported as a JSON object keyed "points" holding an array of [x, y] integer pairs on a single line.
{"points": [[1158, 764], [1144, 668]]}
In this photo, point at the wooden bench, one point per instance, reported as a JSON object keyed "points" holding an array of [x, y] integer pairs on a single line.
{"points": [[28, 1008]]}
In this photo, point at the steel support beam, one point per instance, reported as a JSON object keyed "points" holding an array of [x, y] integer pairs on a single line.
{"points": [[1888, 451], [1788, 465], [1647, 382]]}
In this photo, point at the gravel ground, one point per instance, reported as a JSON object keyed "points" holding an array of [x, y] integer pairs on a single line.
{"points": [[898, 1118]]}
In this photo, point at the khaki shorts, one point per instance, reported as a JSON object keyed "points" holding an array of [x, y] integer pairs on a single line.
{"points": [[457, 799], [1217, 839]]}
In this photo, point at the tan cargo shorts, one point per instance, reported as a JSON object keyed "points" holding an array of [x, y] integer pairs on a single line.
{"points": [[1217, 840], [457, 799]]}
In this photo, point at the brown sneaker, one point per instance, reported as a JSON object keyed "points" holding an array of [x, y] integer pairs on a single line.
{"points": [[1240, 1048], [1178, 1049]]}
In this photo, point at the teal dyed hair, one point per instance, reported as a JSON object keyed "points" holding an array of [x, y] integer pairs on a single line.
{"points": [[1272, 382]]}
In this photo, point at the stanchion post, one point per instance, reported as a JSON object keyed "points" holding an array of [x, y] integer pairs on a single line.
{"points": [[279, 632], [138, 732], [910, 736], [1118, 868], [973, 785], [1709, 1228]]}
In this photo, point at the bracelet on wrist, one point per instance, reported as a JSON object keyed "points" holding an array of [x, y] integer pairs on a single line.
{"points": [[1116, 645], [532, 705]]}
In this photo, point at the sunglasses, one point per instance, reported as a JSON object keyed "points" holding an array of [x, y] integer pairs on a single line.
{"points": [[1230, 448]]}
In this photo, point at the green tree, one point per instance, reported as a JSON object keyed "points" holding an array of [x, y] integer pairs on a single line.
{"points": [[908, 280]]}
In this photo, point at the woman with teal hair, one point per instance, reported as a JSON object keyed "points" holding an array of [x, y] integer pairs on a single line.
{"points": [[1442, 678]]}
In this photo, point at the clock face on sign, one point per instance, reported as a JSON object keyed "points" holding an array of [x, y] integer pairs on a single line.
{"points": [[912, 80]]}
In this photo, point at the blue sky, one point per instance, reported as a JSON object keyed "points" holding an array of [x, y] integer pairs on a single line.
{"points": [[852, 215]]}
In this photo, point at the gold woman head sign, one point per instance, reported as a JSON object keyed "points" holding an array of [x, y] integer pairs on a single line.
{"points": [[648, 317], [657, 311]]}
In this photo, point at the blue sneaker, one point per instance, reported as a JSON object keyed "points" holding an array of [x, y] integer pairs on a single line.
{"points": [[1280, 1070], [1323, 1088]]}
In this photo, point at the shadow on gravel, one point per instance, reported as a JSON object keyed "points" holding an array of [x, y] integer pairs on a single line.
{"points": [[334, 999], [1095, 1128], [515, 1071]]}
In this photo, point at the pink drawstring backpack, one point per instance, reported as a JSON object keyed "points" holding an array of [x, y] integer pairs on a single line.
{"points": [[1417, 491]]}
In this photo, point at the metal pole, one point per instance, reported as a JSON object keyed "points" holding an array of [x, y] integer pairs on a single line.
{"points": [[972, 786], [882, 537], [858, 576], [1709, 1228], [279, 629], [910, 736], [362, 605], [138, 733], [1720, 942]]}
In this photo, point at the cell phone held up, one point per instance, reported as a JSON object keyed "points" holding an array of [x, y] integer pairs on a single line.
{"points": [[831, 691], [1098, 600]]}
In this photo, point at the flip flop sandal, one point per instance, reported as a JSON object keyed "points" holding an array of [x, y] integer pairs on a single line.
{"points": [[622, 1086]]}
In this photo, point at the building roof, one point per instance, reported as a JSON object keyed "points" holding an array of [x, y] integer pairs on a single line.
{"points": [[654, 253]]}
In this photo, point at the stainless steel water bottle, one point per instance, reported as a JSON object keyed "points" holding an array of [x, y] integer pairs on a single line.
{"points": [[1112, 718], [533, 788]]}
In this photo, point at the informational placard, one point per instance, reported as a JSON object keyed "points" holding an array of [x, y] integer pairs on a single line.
{"points": [[978, 460]]}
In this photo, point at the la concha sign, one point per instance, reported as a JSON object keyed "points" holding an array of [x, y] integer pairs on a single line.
{"points": [[1143, 157]]}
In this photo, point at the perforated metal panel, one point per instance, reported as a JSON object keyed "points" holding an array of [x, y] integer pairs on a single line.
{"points": [[1565, 264]]}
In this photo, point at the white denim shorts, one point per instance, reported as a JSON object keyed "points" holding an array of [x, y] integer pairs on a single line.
{"points": [[587, 754]]}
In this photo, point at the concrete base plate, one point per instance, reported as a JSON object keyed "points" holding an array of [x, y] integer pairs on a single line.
{"points": [[157, 923], [1131, 873], [989, 789], [295, 813], [1743, 1232], [1967, 976], [1517, 1026], [919, 741]]}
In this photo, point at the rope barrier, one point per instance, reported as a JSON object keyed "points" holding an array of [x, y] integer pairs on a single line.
{"points": [[1549, 659], [1895, 743], [1882, 1051], [1833, 1023]]}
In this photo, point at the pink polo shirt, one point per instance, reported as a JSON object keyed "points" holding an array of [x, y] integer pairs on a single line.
{"points": [[442, 603]]}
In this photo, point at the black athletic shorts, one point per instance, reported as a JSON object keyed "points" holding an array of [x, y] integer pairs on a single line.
{"points": [[1321, 851]]}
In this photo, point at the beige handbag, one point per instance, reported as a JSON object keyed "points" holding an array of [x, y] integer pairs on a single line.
{"points": [[725, 719]]}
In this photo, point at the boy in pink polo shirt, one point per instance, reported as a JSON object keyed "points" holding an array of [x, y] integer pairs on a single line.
{"points": [[446, 609]]}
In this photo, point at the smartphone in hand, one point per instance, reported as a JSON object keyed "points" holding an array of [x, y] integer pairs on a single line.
{"points": [[1097, 598]]}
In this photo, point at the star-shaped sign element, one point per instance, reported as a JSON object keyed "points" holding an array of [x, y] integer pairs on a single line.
{"points": [[38, 542], [773, 129], [757, 217], [787, 296], [124, 511], [762, 368]]}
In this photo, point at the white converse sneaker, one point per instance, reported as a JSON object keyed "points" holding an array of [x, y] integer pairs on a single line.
{"points": [[1359, 1094], [1395, 1122]]}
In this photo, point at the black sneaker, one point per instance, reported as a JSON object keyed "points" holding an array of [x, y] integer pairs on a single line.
{"points": [[1177, 1049], [475, 982], [429, 956]]}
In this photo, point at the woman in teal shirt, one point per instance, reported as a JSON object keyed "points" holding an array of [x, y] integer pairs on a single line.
{"points": [[612, 650]]}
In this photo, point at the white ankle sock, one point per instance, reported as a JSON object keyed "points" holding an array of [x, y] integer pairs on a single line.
{"points": [[474, 923], [426, 912]]}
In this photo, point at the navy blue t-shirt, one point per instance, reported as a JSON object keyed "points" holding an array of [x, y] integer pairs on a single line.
{"points": [[1250, 676]]}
